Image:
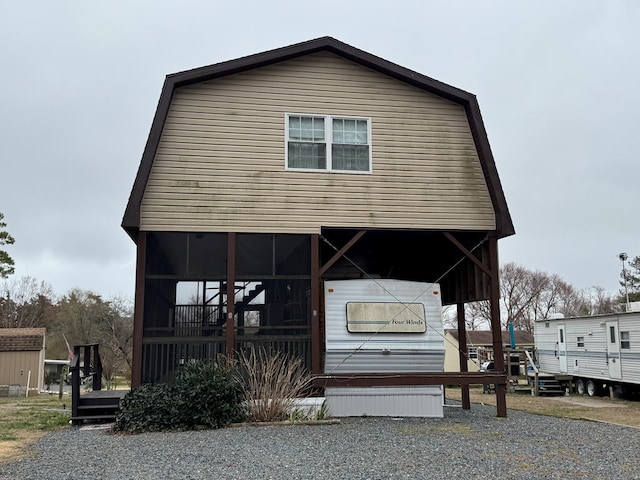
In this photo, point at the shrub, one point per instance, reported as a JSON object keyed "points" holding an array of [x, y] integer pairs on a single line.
{"points": [[211, 393], [206, 393], [272, 382], [150, 407]]}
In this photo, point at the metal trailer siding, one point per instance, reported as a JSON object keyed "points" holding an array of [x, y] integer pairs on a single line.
{"points": [[385, 401], [545, 338], [630, 358], [590, 360], [348, 352]]}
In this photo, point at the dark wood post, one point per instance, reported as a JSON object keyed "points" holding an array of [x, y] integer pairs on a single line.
{"points": [[496, 327], [316, 341], [86, 360], [463, 355], [231, 292], [75, 381], [138, 311], [97, 368]]}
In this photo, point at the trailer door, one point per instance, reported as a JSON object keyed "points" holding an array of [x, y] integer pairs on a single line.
{"points": [[562, 349], [613, 350]]}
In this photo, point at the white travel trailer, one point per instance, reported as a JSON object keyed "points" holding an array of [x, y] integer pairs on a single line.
{"points": [[384, 326], [595, 352]]}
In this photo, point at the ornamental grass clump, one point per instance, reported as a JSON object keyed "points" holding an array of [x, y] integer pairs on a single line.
{"points": [[273, 381]]}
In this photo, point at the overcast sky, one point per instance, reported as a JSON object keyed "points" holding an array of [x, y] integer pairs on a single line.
{"points": [[557, 84]]}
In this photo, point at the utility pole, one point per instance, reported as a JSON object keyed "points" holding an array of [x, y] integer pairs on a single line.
{"points": [[623, 257]]}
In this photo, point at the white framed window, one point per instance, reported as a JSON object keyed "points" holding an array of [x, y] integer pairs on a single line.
{"points": [[473, 352], [625, 340], [580, 342], [328, 143]]}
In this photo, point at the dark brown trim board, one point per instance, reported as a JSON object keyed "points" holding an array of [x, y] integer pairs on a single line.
{"points": [[138, 310]]}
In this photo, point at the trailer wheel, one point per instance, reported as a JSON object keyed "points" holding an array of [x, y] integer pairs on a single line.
{"points": [[580, 387], [592, 388]]}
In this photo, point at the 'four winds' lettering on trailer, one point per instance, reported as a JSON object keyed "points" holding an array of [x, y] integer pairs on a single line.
{"points": [[372, 317]]}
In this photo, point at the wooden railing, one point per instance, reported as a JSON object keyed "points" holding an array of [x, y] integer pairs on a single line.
{"points": [[187, 317], [85, 366], [164, 355], [294, 346]]}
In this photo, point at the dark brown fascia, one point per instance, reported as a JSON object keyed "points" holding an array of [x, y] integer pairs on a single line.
{"points": [[504, 224], [131, 219]]}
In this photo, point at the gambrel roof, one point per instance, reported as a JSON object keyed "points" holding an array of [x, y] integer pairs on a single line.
{"points": [[504, 225]]}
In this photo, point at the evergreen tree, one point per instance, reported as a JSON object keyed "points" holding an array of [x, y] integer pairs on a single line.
{"points": [[630, 281], [6, 262]]}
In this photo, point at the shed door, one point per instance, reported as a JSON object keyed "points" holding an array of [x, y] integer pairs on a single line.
{"points": [[613, 350], [562, 349]]}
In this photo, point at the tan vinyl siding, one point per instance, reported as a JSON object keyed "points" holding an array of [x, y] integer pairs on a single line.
{"points": [[13, 363], [220, 164]]}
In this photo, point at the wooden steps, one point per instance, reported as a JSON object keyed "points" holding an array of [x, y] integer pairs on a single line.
{"points": [[521, 384], [548, 384], [98, 406]]}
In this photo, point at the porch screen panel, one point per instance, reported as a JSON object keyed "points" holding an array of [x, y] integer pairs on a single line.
{"points": [[254, 254], [272, 255], [292, 254], [273, 288], [207, 255]]}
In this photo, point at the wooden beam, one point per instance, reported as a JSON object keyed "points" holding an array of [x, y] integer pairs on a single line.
{"points": [[231, 293], [341, 252], [463, 354], [316, 341], [138, 310], [468, 254], [496, 327], [398, 379]]}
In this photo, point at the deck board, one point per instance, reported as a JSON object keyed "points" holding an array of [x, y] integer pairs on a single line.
{"points": [[104, 394]]}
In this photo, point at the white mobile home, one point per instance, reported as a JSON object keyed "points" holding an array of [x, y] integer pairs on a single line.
{"points": [[384, 326], [596, 352]]}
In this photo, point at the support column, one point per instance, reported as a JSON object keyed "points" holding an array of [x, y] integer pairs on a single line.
{"points": [[138, 310], [231, 293], [316, 341], [462, 354], [496, 328]]}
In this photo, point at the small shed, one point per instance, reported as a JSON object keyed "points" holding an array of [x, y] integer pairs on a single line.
{"points": [[21, 360]]}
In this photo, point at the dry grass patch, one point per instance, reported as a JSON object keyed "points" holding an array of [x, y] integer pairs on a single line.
{"points": [[12, 450], [622, 412], [25, 420]]}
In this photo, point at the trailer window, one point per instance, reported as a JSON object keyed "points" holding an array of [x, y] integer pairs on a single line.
{"points": [[473, 352], [625, 341], [580, 342]]}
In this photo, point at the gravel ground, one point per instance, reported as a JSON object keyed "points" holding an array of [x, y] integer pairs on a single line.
{"points": [[464, 444]]}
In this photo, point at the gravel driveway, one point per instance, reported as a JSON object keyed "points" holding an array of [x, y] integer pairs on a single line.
{"points": [[464, 444]]}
